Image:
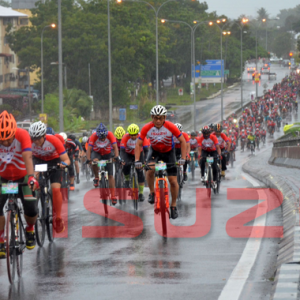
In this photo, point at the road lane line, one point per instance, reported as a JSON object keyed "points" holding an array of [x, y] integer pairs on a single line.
{"points": [[236, 282]]}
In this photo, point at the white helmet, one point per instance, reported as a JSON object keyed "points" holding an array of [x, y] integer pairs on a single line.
{"points": [[84, 139], [158, 110], [188, 132], [64, 135], [37, 129], [179, 126]]}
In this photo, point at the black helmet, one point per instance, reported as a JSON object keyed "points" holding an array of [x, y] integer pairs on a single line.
{"points": [[85, 134], [72, 137], [193, 133]]}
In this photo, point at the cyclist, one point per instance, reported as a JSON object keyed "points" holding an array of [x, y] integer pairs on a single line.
{"points": [[16, 165], [47, 149], [222, 140], [119, 133], [50, 131], [102, 142], [77, 155], [250, 138], [208, 145], [84, 134], [70, 147], [194, 145], [178, 148], [128, 156], [161, 133], [243, 137]]}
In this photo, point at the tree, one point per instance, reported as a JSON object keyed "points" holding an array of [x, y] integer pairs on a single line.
{"points": [[5, 3], [262, 14]]}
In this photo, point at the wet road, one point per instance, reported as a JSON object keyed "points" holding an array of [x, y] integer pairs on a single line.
{"points": [[147, 266]]}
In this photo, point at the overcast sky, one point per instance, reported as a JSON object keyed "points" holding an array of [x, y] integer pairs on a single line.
{"points": [[234, 8]]}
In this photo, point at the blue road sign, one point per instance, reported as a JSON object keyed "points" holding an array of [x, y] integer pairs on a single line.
{"points": [[122, 114], [214, 66], [133, 107]]}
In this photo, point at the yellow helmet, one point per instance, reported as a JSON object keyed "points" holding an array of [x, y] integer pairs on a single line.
{"points": [[119, 132], [133, 129]]}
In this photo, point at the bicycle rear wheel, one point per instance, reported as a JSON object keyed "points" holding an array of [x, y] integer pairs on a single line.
{"points": [[104, 193], [40, 224], [193, 168], [231, 159], [135, 191], [49, 217], [119, 187], [87, 172], [163, 207], [179, 180], [10, 246], [22, 246]]}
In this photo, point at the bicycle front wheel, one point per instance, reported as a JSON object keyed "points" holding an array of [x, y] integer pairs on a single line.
{"points": [[135, 191], [22, 246], [193, 168], [40, 224], [179, 180], [104, 193], [163, 211], [10, 246], [49, 217]]}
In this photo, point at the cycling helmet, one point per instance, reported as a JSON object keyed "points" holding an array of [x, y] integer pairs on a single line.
{"points": [[158, 110], [8, 126], [101, 131], [84, 140], [205, 130], [84, 134], [179, 126], [193, 133], [119, 132], [37, 130], [50, 131], [64, 135], [72, 137], [133, 129], [218, 127], [188, 132], [211, 126]]}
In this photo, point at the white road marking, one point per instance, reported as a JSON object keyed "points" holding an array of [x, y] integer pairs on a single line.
{"points": [[240, 274]]}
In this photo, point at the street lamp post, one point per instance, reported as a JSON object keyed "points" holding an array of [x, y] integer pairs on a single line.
{"points": [[60, 76], [42, 64], [109, 68], [241, 26], [218, 22], [156, 11], [65, 73], [193, 29]]}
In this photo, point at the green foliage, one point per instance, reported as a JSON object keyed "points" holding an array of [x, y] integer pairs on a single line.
{"points": [[5, 3]]}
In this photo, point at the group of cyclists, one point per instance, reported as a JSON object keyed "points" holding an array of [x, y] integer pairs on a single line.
{"points": [[158, 140]]}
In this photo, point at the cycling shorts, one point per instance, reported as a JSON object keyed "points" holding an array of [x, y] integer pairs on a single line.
{"points": [[28, 201], [167, 157], [108, 167]]}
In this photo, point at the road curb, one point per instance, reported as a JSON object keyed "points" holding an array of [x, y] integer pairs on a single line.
{"points": [[288, 268]]}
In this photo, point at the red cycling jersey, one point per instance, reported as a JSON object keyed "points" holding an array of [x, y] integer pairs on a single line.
{"points": [[51, 149], [194, 143], [177, 143], [161, 139], [102, 147], [209, 144], [128, 144], [222, 139], [12, 166], [60, 138]]}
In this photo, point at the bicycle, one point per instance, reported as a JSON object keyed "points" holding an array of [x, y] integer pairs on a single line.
{"points": [[231, 157], [119, 180], [257, 142], [133, 184], [15, 242], [180, 181], [252, 147], [85, 168], [45, 205], [263, 139], [103, 182], [192, 164], [208, 176], [65, 184], [242, 145]]}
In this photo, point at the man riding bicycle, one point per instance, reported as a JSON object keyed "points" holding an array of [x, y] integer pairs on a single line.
{"points": [[102, 142], [161, 133], [222, 140], [47, 149], [194, 145], [250, 138], [178, 148], [127, 154], [209, 146], [16, 165]]}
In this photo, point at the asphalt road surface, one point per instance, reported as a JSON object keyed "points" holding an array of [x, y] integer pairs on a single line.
{"points": [[202, 262]]}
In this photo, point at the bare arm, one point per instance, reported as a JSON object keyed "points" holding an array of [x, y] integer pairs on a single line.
{"points": [[182, 141], [116, 149], [218, 149], [88, 152], [65, 158], [27, 157], [138, 149]]}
